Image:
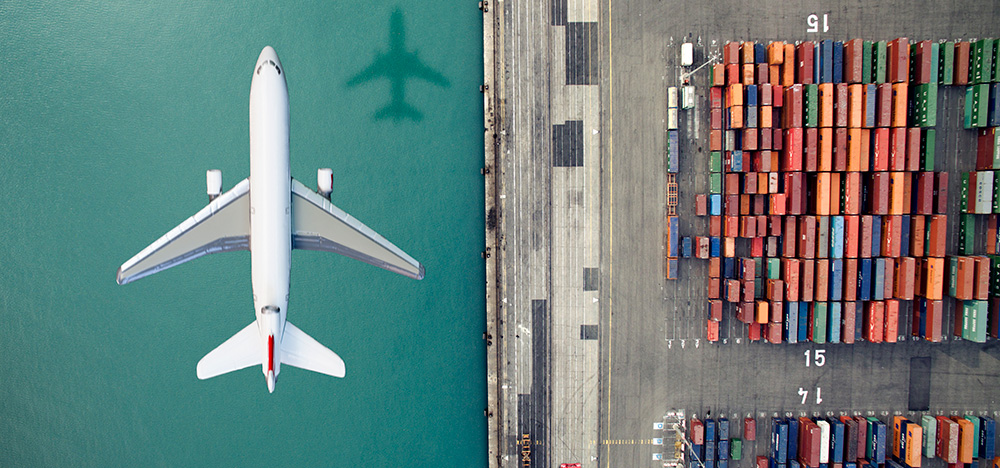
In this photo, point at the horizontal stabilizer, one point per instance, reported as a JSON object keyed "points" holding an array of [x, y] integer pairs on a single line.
{"points": [[300, 350], [240, 351]]}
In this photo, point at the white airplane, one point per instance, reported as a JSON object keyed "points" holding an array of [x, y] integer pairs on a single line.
{"points": [[269, 214]]}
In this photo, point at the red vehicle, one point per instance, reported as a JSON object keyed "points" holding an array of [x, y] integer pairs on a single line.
{"points": [[570, 465]]}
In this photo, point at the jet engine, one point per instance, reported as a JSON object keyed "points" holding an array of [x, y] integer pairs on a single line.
{"points": [[214, 182], [324, 182]]}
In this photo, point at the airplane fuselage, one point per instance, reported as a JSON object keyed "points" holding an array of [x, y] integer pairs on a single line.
{"points": [[270, 205]]}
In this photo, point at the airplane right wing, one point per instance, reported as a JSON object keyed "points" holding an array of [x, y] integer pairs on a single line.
{"points": [[222, 226], [319, 225]]}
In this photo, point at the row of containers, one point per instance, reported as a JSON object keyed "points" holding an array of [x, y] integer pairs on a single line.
{"points": [[878, 69], [849, 442], [822, 169]]}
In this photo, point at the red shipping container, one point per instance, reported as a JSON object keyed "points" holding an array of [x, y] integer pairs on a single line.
{"points": [[790, 272], [744, 312], [925, 193], [937, 226], [804, 54], [765, 139], [748, 228], [715, 140], [964, 277], [763, 74], [984, 149], [897, 149], [713, 288], [731, 52], [822, 276], [774, 329], [750, 139], [905, 277], [749, 291], [714, 267], [733, 74], [809, 443], [898, 56], [889, 273], [777, 309], [793, 150], [867, 224], [792, 111], [852, 231], [892, 238], [946, 445], [697, 432], [774, 223], [865, 148], [879, 193], [715, 119], [840, 149], [807, 275], [880, 149], [847, 332], [753, 330], [765, 95], [807, 237], [712, 331], [941, 193], [912, 149], [715, 97], [788, 247], [840, 105], [750, 429], [962, 50], [715, 310], [883, 105], [852, 193], [850, 292], [853, 56], [777, 95], [874, 320], [715, 226], [922, 67], [777, 204], [891, 326], [993, 323], [761, 461], [757, 247], [918, 233], [810, 149], [732, 290]]}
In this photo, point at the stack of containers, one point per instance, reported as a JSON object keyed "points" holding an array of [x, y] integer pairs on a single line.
{"points": [[828, 193], [977, 68], [673, 144]]}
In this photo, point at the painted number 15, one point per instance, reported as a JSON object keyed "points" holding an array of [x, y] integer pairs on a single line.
{"points": [[818, 357], [813, 22]]}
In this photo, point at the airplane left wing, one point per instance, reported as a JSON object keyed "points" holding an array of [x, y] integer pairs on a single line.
{"points": [[319, 225], [222, 226]]}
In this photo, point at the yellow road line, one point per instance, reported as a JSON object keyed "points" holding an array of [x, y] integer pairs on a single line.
{"points": [[611, 211]]}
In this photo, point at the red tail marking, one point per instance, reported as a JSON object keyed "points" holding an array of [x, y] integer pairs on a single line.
{"points": [[270, 352]]}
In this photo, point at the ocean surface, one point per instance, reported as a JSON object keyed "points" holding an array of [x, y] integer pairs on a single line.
{"points": [[110, 113]]}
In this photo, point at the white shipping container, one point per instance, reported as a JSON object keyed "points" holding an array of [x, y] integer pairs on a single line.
{"points": [[984, 192], [672, 97], [824, 441], [687, 101], [672, 118], [687, 54]]}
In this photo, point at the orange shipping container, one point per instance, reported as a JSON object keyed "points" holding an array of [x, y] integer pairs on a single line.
{"points": [[765, 117], [776, 53], [748, 52], [906, 268], [852, 230], [715, 140], [937, 226], [854, 156], [788, 67], [736, 117], [914, 444], [899, 104], [982, 289], [763, 315], [825, 149], [826, 98], [891, 326], [712, 333], [966, 438], [933, 273], [748, 74], [855, 94], [917, 235], [718, 74], [852, 193], [735, 95], [823, 194], [835, 195], [874, 320], [964, 278], [774, 74], [822, 278], [897, 190]]}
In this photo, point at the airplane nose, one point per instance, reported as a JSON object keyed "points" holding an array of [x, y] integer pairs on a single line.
{"points": [[270, 381], [269, 54]]}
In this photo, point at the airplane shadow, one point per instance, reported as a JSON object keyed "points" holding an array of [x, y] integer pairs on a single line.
{"points": [[398, 65]]}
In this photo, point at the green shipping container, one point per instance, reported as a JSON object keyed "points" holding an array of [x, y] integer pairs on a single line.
{"points": [[996, 191], [946, 64], [974, 315], [879, 62], [980, 105], [967, 115], [994, 275], [996, 61], [935, 60], [952, 275], [715, 182], [715, 161], [929, 424], [928, 137], [866, 62], [736, 449], [963, 193], [982, 61], [820, 312], [924, 105], [773, 268], [811, 104], [975, 432], [966, 233]]}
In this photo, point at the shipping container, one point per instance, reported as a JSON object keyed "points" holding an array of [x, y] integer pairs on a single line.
{"points": [[947, 443], [750, 429]]}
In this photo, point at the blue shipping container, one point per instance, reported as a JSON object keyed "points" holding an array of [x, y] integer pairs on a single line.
{"points": [[673, 151], [686, 247], [865, 279], [876, 236], [792, 322], [723, 429], [803, 321], [715, 204], [987, 438], [729, 268], [673, 236], [993, 114], [723, 450], [837, 237], [779, 440], [836, 280], [836, 436], [878, 291], [710, 431], [709, 450], [751, 96], [904, 247], [838, 62], [880, 442], [736, 160], [722, 463], [826, 61], [869, 105], [833, 327], [759, 53], [714, 246], [793, 438]]}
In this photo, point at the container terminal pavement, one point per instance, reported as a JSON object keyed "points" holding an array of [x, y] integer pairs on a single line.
{"points": [[594, 178]]}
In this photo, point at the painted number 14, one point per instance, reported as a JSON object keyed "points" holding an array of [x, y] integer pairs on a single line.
{"points": [[805, 394], [813, 22]]}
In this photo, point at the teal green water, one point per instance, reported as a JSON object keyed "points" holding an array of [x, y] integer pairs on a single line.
{"points": [[110, 113]]}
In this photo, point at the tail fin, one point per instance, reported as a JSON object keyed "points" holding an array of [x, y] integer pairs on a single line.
{"points": [[239, 351], [300, 350]]}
